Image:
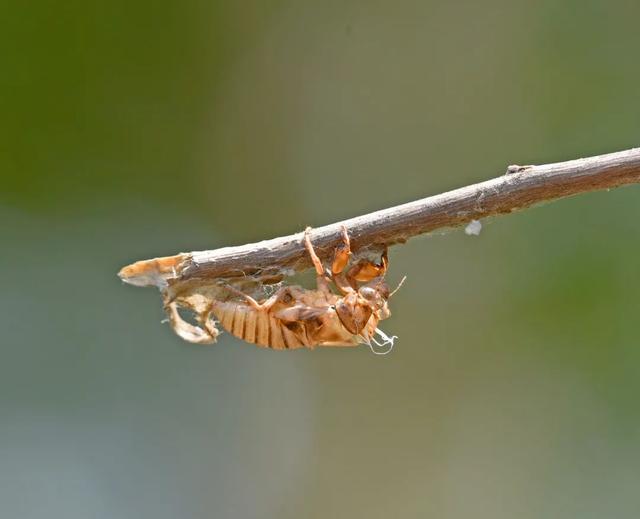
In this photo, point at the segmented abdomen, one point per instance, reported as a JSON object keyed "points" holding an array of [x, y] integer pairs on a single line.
{"points": [[258, 327]]}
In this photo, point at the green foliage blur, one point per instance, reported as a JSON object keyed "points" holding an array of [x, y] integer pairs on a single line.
{"points": [[138, 129]]}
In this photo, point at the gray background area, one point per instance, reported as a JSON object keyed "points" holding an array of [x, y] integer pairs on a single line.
{"points": [[132, 130]]}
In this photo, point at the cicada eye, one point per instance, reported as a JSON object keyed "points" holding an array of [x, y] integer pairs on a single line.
{"points": [[368, 293]]}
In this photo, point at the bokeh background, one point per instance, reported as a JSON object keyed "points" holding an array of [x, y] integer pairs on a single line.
{"points": [[135, 129]]}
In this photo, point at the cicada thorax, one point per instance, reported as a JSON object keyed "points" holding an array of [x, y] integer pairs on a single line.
{"points": [[327, 330], [315, 312]]}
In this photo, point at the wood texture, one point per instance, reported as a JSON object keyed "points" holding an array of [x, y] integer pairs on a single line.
{"points": [[520, 187]]}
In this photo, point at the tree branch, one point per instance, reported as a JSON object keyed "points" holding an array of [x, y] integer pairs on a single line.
{"points": [[520, 187]]}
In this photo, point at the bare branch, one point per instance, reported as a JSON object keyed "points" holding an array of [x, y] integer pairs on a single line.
{"points": [[520, 187]]}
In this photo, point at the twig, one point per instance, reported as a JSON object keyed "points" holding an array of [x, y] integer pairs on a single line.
{"points": [[520, 187]]}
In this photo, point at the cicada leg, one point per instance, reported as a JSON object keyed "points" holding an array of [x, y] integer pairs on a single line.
{"points": [[321, 278], [264, 306], [340, 261], [365, 270], [206, 333]]}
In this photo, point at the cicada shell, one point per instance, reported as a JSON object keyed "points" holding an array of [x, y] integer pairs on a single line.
{"points": [[293, 317]]}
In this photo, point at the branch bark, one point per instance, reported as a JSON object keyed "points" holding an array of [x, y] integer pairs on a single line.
{"points": [[520, 187]]}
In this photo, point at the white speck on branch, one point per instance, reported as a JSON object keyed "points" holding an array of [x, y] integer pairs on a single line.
{"points": [[519, 188], [473, 228]]}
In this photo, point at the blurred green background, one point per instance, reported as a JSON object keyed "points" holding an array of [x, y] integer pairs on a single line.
{"points": [[132, 130]]}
